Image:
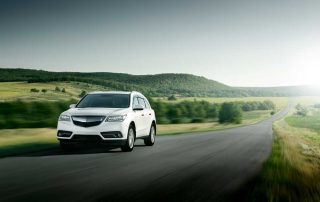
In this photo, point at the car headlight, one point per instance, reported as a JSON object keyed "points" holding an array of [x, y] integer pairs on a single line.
{"points": [[117, 118], [64, 118]]}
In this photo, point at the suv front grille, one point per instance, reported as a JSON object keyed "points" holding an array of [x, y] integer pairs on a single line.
{"points": [[87, 121]]}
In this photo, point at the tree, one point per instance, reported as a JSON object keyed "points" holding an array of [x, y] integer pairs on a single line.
{"points": [[230, 113]]}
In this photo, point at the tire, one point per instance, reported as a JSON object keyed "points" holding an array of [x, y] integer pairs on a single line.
{"points": [[150, 140], [129, 144], [65, 146]]}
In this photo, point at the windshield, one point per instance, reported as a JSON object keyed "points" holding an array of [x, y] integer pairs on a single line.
{"points": [[105, 101]]}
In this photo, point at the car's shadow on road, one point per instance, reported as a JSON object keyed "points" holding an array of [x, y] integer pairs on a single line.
{"points": [[79, 150]]}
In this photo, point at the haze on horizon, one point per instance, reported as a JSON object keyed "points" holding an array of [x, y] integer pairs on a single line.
{"points": [[239, 43]]}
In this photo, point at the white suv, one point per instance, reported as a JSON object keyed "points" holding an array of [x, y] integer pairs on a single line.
{"points": [[115, 118]]}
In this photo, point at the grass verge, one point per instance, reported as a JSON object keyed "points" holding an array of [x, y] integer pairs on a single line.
{"points": [[292, 172], [19, 141]]}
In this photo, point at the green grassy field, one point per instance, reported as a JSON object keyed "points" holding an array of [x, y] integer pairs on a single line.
{"points": [[10, 91], [292, 173], [312, 121]]}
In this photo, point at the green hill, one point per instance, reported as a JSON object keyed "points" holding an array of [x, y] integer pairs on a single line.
{"points": [[157, 85], [152, 85]]}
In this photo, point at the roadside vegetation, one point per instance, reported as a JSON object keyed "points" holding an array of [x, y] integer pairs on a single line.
{"points": [[38, 120], [18, 114], [292, 172], [21, 141], [24, 140], [35, 107]]}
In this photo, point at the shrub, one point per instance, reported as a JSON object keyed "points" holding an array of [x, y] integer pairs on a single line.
{"points": [[230, 113], [44, 90], [57, 89], [176, 120], [34, 90], [172, 97], [301, 110], [198, 120], [63, 90]]}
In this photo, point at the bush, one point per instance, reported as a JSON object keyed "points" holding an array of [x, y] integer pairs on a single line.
{"points": [[174, 112], [230, 113], [172, 97], [198, 120], [44, 90], [176, 120], [34, 90], [63, 90], [301, 110], [57, 89]]}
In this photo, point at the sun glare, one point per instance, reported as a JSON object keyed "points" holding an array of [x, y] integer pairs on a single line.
{"points": [[308, 66]]}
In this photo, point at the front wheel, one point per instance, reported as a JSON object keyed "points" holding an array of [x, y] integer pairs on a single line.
{"points": [[129, 144], [149, 141]]}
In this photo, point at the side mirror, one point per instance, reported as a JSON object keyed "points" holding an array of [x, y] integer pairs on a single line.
{"points": [[72, 106], [138, 107]]}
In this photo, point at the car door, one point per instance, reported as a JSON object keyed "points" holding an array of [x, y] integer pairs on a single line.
{"points": [[145, 117], [149, 115], [138, 118]]}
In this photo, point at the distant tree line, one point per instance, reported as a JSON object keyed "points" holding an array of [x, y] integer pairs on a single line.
{"points": [[203, 111], [19, 114]]}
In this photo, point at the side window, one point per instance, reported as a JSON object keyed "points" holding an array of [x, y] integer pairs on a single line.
{"points": [[141, 102], [135, 101], [147, 104]]}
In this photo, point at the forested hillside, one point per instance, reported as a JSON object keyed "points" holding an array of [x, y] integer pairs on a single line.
{"points": [[157, 85]]}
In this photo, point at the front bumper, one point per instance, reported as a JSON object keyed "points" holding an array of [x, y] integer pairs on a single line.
{"points": [[113, 133], [88, 140]]}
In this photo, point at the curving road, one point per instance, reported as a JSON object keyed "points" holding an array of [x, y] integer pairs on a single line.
{"points": [[210, 166]]}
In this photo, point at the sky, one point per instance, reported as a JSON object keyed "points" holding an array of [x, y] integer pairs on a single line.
{"points": [[239, 43]]}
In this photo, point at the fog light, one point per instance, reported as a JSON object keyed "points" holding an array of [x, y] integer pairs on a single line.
{"points": [[112, 134], [62, 133]]}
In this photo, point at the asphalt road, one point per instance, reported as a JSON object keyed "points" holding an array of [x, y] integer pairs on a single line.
{"points": [[210, 166]]}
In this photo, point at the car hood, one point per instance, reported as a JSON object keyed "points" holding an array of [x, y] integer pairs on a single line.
{"points": [[96, 111]]}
